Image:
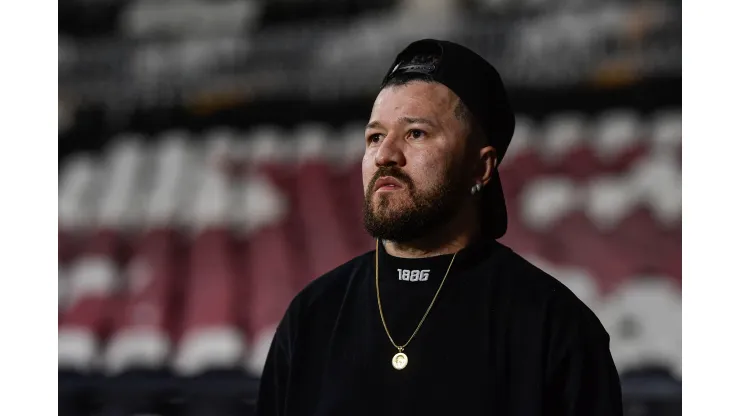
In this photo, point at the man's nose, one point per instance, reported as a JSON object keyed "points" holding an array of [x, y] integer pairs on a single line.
{"points": [[390, 152]]}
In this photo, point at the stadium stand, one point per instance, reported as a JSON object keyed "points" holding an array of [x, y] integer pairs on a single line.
{"points": [[174, 214]]}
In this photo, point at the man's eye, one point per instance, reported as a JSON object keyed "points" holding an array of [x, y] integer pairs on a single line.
{"points": [[374, 138], [417, 134]]}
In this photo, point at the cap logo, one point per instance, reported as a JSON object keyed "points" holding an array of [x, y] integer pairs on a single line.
{"points": [[423, 68]]}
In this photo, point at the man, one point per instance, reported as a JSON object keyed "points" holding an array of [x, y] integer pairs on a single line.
{"points": [[440, 319]]}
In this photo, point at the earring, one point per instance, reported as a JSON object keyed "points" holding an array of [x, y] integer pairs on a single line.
{"points": [[475, 189]]}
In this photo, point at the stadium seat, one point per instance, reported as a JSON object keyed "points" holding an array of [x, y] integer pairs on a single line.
{"points": [[315, 143], [524, 138], [78, 186], [93, 276], [545, 201], [352, 139], [643, 318], [142, 337], [77, 203], [523, 162], [125, 163], [576, 241], [259, 203], [580, 282], [666, 131], [63, 289], [563, 136], [618, 139], [608, 200], [146, 324], [211, 337], [267, 151], [328, 243], [93, 280], [173, 177], [657, 181], [67, 246], [351, 192], [520, 237], [269, 285], [670, 260]]}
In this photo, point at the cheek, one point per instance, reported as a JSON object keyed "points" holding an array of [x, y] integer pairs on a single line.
{"points": [[428, 171], [368, 170]]}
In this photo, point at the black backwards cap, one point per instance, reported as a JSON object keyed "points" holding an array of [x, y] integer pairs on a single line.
{"points": [[479, 86]]}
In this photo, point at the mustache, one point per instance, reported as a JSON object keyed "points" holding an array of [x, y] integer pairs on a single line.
{"points": [[393, 172]]}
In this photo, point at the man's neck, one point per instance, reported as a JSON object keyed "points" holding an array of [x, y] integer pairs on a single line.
{"points": [[452, 238]]}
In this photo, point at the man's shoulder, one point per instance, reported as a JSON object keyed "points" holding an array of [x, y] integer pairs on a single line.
{"points": [[531, 286], [520, 274]]}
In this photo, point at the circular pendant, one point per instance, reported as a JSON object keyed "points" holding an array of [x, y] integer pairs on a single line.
{"points": [[400, 361]]}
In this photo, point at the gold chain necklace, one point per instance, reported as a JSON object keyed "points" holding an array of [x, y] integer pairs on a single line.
{"points": [[400, 360]]}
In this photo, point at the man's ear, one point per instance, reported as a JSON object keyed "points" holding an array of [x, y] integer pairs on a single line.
{"points": [[487, 161]]}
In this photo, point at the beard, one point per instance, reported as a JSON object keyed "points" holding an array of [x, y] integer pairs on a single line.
{"points": [[410, 220]]}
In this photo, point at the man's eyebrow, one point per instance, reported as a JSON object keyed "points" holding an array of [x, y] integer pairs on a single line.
{"points": [[373, 124], [406, 120], [417, 120]]}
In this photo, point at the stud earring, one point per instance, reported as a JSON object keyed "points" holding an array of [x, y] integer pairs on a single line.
{"points": [[475, 189]]}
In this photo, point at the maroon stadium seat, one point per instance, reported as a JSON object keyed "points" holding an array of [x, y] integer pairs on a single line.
{"points": [[211, 337], [268, 285], [92, 302], [578, 242], [142, 338], [327, 241]]}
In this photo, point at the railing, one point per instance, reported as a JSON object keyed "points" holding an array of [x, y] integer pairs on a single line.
{"points": [[596, 46]]}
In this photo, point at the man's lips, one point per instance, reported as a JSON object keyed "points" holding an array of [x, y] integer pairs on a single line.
{"points": [[387, 183]]}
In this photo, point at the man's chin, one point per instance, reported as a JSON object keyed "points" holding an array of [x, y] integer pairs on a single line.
{"points": [[389, 214], [393, 200], [393, 230]]}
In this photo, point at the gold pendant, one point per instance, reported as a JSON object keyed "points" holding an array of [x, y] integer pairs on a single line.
{"points": [[400, 361]]}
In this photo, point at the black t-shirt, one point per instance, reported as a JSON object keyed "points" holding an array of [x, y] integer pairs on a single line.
{"points": [[503, 338]]}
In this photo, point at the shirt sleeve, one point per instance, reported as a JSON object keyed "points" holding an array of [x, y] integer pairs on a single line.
{"points": [[274, 380], [272, 397], [583, 379]]}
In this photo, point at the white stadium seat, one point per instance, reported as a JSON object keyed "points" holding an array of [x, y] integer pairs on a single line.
{"points": [[524, 136], [580, 282], [657, 181], [643, 318], [118, 204], [213, 201], [314, 143], [352, 137], [266, 145], [547, 200], [666, 130], [617, 131], [608, 200], [78, 189], [260, 204], [562, 134]]}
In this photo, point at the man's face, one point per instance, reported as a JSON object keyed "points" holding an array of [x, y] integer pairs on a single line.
{"points": [[413, 171]]}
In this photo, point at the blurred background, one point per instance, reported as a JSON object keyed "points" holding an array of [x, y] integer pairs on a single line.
{"points": [[209, 168]]}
